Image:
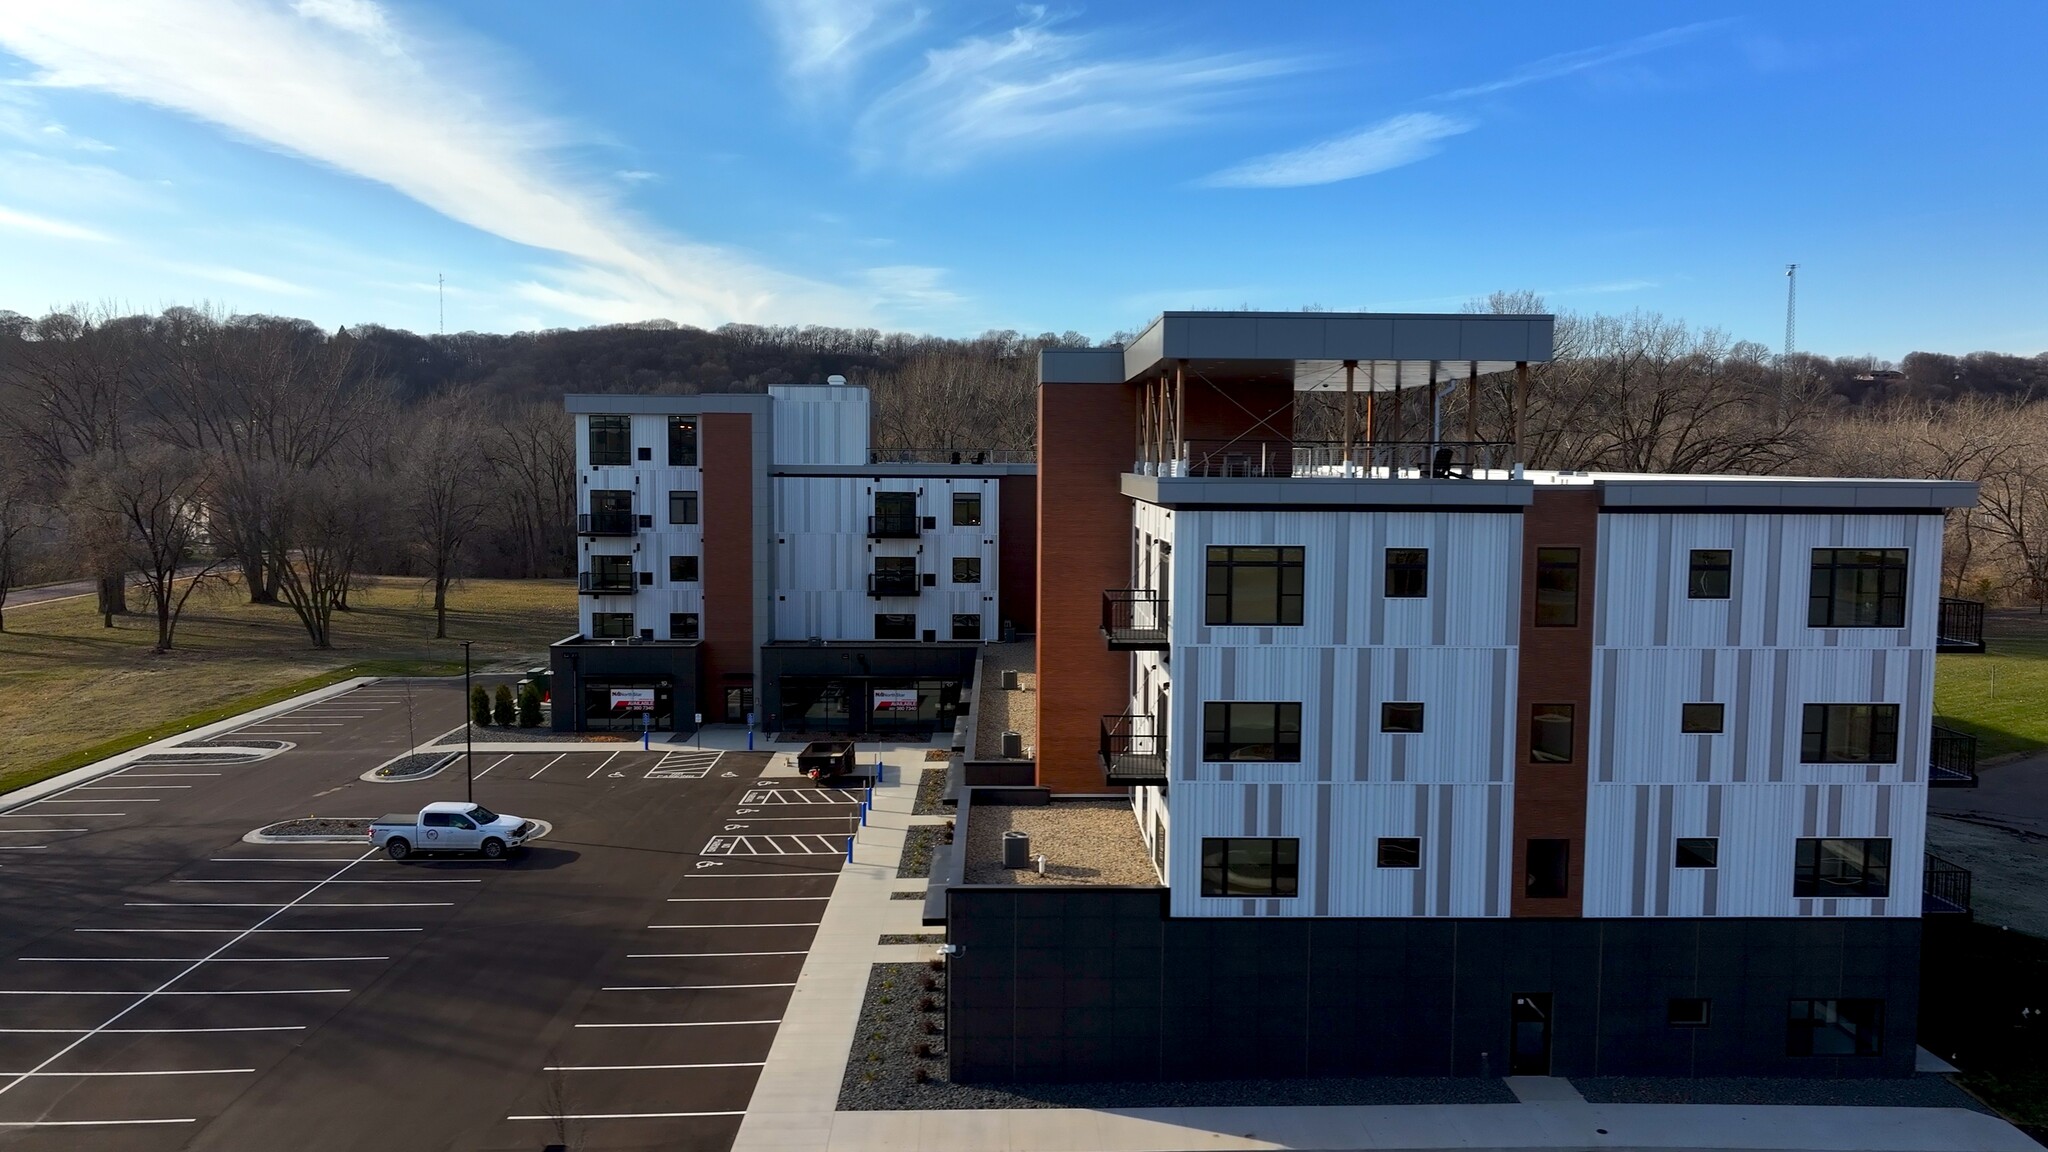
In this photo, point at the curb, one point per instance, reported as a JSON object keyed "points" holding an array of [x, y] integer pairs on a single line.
{"points": [[257, 836], [372, 776]]}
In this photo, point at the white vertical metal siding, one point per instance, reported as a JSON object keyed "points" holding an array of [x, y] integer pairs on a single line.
{"points": [[820, 424], [823, 556]]}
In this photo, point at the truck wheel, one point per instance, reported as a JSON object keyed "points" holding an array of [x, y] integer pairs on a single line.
{"points": [[494, 849], [397, 848]]}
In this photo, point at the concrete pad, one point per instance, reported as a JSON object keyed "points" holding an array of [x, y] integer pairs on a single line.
{"points": [[1925, 1061], [1544, 1089]]}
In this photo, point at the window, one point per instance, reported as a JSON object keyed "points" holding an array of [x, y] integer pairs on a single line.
{"points": [[1557, 587], [1697, 852], [895, 516], [1400, 852], [966, 509], [682, 441], [1829, 868], [1239, 731], [1688, 1012], [611, 572], [682, 626], [682, 569], [611, 625], [895, 626], [1254, 586], [1857, 588], [611, 440], [682, 507], [1550, 733], [1834, 1028], [1707, 578], [966, 625], [1850, 734], [1549, 867], [1699, 717], [966, 569], [1260, 867], [437, 820], [1407, 573], [1401, 717]]}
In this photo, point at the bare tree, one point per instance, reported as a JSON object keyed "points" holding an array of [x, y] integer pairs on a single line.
{"points": [[20, 518], [532, 452], [960, 401], [445, 481], [322, 520], [152, 499]]}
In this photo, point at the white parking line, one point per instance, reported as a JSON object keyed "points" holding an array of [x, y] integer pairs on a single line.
{"points": [[292, 880], [546, 766], [285, 860], [38, 831], [683, 1024], [146, 995], [645, 1067], [128, 799], [47, 815], [762, 875], [190, 959], [803, 924], [149, 1072], [703, 955], [89, 1123], [133, 787], [251, 931], [22, 847], [624, 1115], [161, 775], [494, 764], [688, 987], [738, 899], [306, 904], [150, 1031], [602, 767]]}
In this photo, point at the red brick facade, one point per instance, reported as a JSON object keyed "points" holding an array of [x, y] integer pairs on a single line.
{"points": [[1556, 668], [1017, 555], [727, 509]]}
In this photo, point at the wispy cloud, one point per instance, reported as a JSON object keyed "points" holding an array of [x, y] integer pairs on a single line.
{"points": [[824, 41], [45, 226], [386, 105], [241, 278], [1566, 63], [912, 287], [635, 175], [1036, 85], [1390, 143]]}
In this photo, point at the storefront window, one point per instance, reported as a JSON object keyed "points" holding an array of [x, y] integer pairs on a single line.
{"points": [[619, 704]]}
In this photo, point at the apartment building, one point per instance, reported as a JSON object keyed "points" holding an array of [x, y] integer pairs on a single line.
{"points": [[748, 558], [1448, 766]]}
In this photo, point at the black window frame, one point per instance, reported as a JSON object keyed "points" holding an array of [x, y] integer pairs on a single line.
{"points": [[975, 561], [685, 626], [1398, 852], [904, 503], [1538, 752], [1880, 604], [907, 621], [1692, 717], [1557, 588], [615, 433], [1841, 873], [1709, 573], [682, 441], [1283, 864], [1547, 879], [967, 500], [1236, 562], [1694, 852], [691, 508], [1821, 725], [1391, 710], [1858, 1018], [684, 570], [1689, 1012], [1405, 574], [971, 631], [1221, 718], [597, 629]]}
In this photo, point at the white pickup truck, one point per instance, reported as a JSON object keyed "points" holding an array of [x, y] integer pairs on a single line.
{"points": [[450, 826]]}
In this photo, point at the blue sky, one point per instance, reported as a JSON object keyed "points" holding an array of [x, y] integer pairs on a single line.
{"points": [[954, 168]]}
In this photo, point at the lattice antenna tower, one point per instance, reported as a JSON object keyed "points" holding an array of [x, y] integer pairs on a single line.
{"points": [[1791, 305], [441, 301]]}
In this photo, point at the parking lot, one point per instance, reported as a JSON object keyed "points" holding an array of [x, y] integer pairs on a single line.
{"points": [[165, 985]]}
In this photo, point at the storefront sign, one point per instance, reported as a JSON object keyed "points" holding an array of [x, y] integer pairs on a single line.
{"points": [[632, 699], [895, 699]]}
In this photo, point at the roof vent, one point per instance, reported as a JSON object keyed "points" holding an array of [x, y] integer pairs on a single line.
{"points": [[836, 381]]}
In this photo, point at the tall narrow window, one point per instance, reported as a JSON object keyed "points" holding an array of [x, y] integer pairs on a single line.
{"points": [[1557, 587], [682, 507], [1548, 867], [1857, 588], [1849, 734], [1237, 730], [1550, 733], [1251, 867], [682, 441], [1835, 867], [1254, 586], [966, 509], [1407, 573], [611, 439], [1707, 576]]}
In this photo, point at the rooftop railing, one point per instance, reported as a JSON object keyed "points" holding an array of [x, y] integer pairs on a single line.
{"points": [[605, 524], [1381, 459], [951, 456]]}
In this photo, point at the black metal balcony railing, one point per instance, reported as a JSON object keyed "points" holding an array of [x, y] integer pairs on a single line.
{"points": [[605, 524], [1944, 888], [604, 584], [1961, 626], [892, 526], [1134, 620], [1410, 459], [882, 584], [1133, 750], [1951, 759]]}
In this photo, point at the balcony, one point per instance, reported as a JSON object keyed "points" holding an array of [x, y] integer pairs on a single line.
{"points": [[1961, 626], [1134, 620], [1951, 759], [892, 526], [1944, 888], [1133, 751], [605, 524], [1382, 459], [882, 584], [605, 583]]}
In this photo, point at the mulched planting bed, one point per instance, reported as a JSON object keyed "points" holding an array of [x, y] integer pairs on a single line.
{"points": [[940, 754], [417, 764], [917, 849], [929, 789], [913, 938], [320, 826], [881, 1071]]}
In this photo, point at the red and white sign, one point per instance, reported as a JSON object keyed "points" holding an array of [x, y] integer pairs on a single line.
{"points": [[632, 699], [895, 699]]}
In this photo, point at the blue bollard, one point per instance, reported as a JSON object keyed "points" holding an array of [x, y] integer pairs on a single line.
{"points": [[849, 849]]}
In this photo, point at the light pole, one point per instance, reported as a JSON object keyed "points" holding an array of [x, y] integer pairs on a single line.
{"points": [[468, 729]]}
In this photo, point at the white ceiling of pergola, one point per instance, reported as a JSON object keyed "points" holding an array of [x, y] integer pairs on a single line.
{"points": [[1381, 375]]}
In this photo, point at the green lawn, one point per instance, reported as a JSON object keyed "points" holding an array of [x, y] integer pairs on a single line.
{"points": [[2000, 697]]}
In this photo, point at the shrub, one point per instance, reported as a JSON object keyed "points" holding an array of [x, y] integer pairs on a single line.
{"points": [[529, 706], [922, 1049], [479, 705], [502, 711], [927, 1004]]}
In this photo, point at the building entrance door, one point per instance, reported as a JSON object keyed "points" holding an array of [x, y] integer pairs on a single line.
{"points": [[1529, 1051]]}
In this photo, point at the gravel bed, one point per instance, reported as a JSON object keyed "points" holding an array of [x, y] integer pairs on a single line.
{"points": [[493, 734], [234, 744], [1923, 1091], [417, 764], [881, 1072], [917, 849], [319, 826], [1083, 841], [913, 938], [199, 758], [906, 895], [929, 789], [997, 711]]}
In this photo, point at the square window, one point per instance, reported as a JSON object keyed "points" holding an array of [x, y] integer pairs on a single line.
{"points": [[1707, 576], [682, 569], [1834, 1028], [1830, 868], [1549, 869], [1401, 717], [1407, 573], [895, 626], [1254, 586], [1250, 867], [682, 441], [682, 626], [1400, 852], [611, 439], [682, 507], [1688, 1012], [966, 509], [1238, 731], [1697, 852], [966, 569], [1550, 733], [966, 625], [1700, 717], [1849, 734], [1557, 587], [1857, 588]]}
